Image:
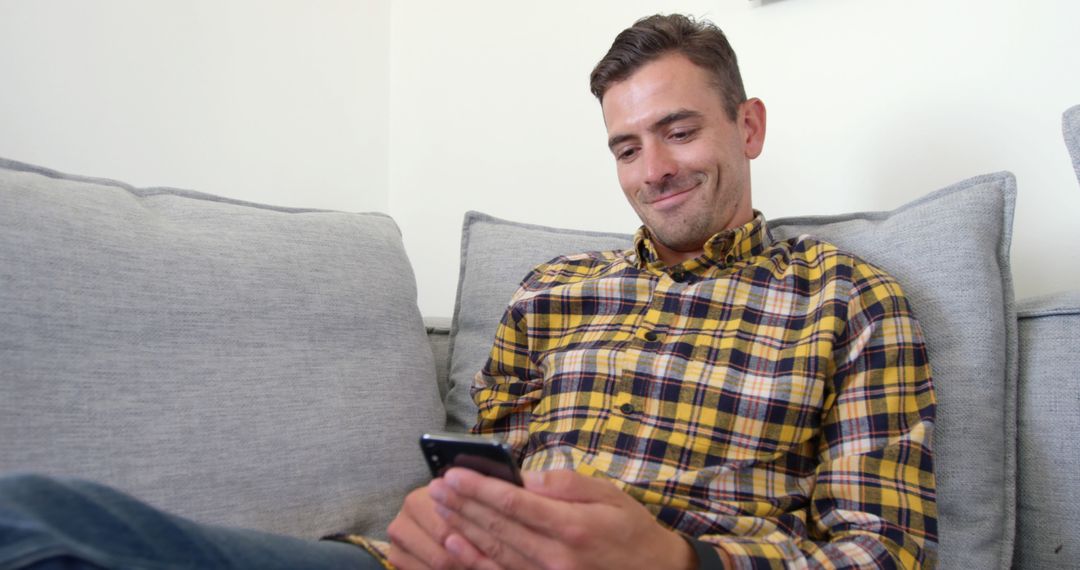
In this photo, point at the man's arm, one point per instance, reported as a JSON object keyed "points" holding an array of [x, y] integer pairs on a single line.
{"points": [[560, 518], [873, 500], [509, 384]]}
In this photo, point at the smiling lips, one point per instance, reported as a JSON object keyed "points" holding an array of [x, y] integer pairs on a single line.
{"points": [[672, 193]]}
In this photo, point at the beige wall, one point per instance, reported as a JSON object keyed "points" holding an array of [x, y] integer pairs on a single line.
{"points": [[426, 109], [279, 102], [871, 103]]}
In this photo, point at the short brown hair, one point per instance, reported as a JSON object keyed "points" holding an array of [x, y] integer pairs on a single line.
{"points": [[649, 38]]}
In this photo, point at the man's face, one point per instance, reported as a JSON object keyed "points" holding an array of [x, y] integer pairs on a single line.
{"points": [[683, 164]]}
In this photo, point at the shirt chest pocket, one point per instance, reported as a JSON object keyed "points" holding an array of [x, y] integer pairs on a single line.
{"points": [[746, 410]]}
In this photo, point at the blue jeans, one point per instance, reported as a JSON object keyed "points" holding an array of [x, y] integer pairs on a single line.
{"points": [[61, 523]]}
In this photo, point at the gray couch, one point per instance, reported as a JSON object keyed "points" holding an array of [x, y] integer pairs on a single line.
{"points": [[267, 367]]}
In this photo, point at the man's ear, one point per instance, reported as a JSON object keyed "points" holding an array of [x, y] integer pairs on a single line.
{"points": [[752, 126]]}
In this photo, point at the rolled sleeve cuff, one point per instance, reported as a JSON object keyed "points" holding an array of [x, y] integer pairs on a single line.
{"points": [[378, 549]]}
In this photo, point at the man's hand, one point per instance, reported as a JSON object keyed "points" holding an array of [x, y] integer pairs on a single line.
{"points": [[417, 535], [561, 519]]}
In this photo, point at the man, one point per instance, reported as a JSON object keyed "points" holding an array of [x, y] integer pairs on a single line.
{"points": [[709, 398]]}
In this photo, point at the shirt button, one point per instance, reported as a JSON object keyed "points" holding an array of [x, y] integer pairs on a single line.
{"points": [[651, 336], [626, 409], [678, 276]]}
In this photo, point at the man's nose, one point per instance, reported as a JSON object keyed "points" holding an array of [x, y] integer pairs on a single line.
{"points": [[659, 165]]}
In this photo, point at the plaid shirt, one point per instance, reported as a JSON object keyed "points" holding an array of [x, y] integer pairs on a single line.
{"points": [[770, 398]]}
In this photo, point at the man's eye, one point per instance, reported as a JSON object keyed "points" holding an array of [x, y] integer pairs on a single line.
{"points": [[681, 135], [626, 154]]}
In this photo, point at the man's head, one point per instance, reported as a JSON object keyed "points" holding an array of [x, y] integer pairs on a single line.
{"points": [[652, 37], [682, 142]]}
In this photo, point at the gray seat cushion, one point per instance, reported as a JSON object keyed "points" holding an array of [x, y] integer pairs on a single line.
{"points": [[950, 252], [232, 362], [1049, 460]]}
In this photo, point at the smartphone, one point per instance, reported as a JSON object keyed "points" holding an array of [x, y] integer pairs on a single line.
{"points": [[485, 455]]}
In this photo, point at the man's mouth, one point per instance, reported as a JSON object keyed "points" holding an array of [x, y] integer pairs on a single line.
{"points": [[671, 198]]}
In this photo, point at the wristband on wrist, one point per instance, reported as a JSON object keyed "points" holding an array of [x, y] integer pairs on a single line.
{"points": [[708, 558]]}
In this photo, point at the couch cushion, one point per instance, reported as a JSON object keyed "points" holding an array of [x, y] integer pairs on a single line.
{"points": [[438, 333], [950, 252], [232, 362], [1049, 456], [1070, 128], [495, 255]]}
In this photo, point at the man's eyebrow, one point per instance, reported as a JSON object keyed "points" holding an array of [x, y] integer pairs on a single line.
{"points": [[617, 139], [673, 117]]}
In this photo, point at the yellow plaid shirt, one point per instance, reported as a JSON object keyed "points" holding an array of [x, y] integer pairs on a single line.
{"points": [[771, 398]]}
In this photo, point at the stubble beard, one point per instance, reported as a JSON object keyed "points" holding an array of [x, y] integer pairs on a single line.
{"points": [[685, 234], [689, 229]]}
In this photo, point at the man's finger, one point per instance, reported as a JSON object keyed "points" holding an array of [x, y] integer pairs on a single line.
{"points": [[497, 538], [415, 548], [403, 560], [540, 513], [469, 556], [416, 535], [567, 485]]}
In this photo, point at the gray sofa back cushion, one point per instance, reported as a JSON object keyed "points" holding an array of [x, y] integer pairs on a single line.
{"points": [[438, 333], [495, 255], [1049, 460], [1070, 129], [950, 252], [236, 363]]}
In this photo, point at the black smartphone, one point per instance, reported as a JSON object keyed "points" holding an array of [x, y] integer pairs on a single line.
{"points": [[485, 455]]}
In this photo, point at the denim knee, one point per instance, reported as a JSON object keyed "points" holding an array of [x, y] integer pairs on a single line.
{"points": [[28, 490], [28, 483]]}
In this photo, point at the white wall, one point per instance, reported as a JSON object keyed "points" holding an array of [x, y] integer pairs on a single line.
{"points": [[278, 102], [871, 103], [427, 109]]}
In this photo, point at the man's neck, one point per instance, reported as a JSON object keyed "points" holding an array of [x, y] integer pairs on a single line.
{"points": [[671, 257]]}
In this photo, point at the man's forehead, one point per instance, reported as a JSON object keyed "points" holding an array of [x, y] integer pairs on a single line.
{"points": [[667, 85]]}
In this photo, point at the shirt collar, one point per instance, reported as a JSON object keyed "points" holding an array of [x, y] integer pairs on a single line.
{"points": [[723, 249]]}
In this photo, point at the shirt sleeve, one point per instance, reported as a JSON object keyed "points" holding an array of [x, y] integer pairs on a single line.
{"points": [[873, 500], [509, 384], [379, 550]]}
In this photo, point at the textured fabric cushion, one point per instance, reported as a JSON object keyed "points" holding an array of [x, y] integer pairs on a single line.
{"points": [[235, 363], [950, 252], [1070, 127], [1049, 457], [438, 333], [495, 255]]}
